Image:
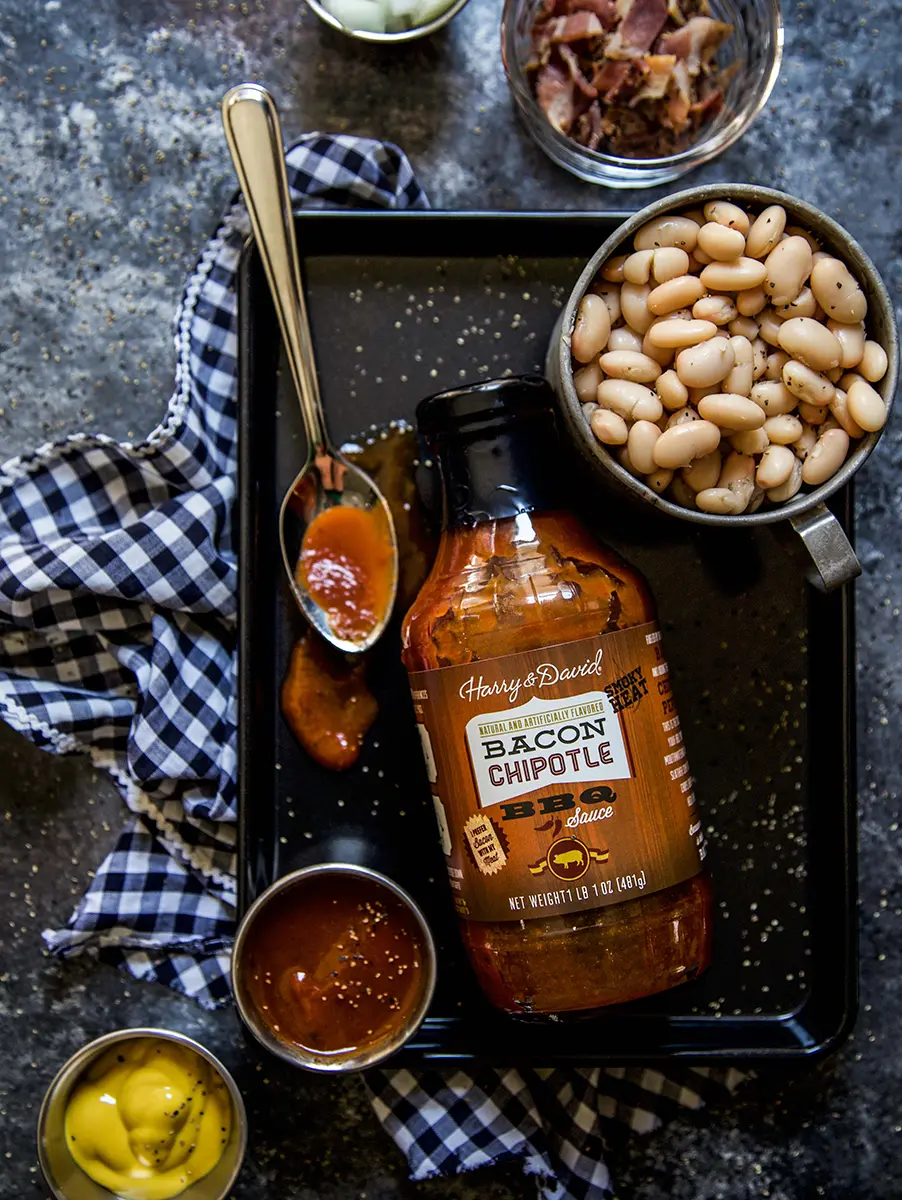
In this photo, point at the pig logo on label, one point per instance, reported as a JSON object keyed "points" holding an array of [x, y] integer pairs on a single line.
{"points": [[568, 858]]}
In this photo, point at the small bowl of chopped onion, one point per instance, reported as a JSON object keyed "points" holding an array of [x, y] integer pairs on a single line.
{"points": [[387, 20], [635, 93]]}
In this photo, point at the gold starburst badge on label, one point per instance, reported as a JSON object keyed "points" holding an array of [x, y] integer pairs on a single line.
{"points": [[485, 844]]}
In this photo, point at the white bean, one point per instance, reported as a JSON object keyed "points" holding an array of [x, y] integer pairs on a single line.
{"points": [[873, 362], [662, 355], [812, 415], [586, 381], [787, 490], [839, 410], [673, 334], [680, 444], [589, 408], [808, 385], [681, 494], [783, 430], [625, 338], [719, 309], [610, 293], [804, 444], [634, 303], [623, 457], [776, 465], [609, 427], [744, 327], [591, 330], [733, 276], [641, 443], [632, 401], [751, 301], [835, 373], [672, 391], [775, 364], [725, 213], [766, 231], [866, 406], [811, 343], [674, 294], [637, 267], [827, 457], [740, 379], [723, 502], [681, 416], [769, 326], [774, 397], [852, 340], [703, 472], [698, 259], [759, 358], [750, 441], [612, 270], [798, 231], [721, 242], [837, 292], [628, 364], [668, 263], [731, 411], [804, 305], [667, 231], [705, 364], [659, 481], [787, 267], [699, 393]]}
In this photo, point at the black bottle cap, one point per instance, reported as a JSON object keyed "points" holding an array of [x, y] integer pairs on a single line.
{"points": [[480, 408], [496, 448]]}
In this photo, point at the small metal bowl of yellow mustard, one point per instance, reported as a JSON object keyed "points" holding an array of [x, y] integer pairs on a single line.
{"points": [[142, 1114]]}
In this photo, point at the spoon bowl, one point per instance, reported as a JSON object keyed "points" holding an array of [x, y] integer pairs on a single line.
{"points": [[326, 480]]}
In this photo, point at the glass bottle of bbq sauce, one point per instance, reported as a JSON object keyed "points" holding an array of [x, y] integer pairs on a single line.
{"points": [[552, 743]]}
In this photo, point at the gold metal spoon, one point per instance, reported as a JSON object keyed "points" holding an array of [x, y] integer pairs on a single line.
{"points": [[254, 136]]}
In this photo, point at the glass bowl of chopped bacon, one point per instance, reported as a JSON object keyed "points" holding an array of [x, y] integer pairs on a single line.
{"points": [[635, 93]]}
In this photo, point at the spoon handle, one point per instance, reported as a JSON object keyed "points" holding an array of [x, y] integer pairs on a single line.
{"points": [[254, 135]]}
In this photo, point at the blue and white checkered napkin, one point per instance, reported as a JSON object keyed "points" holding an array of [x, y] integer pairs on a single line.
{"points": [[117, 604]]}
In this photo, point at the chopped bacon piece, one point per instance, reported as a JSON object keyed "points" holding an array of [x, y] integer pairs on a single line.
{"points": [[642, 22], [611, 80], [576, 27], [657, 72], [696, 42], [605, 10], [554, 92], [572, 62]]}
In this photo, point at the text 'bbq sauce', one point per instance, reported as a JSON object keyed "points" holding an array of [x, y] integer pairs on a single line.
{"points": [[552, 743]]}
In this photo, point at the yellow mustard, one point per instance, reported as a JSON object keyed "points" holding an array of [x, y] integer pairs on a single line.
{"points": [[148, 1119]]}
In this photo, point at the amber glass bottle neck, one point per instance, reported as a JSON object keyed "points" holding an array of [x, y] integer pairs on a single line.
{"points": [[500, 473]]}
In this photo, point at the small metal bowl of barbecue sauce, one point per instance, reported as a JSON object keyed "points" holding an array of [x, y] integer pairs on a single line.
{"points": [[333, 968]]}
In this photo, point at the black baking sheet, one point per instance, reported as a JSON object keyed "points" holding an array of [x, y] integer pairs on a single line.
{"points": [[406, 304]]}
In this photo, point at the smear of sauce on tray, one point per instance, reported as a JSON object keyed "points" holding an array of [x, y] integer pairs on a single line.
{"points": [[346, 568], [335, 966], [325, 699], [326, 702]]}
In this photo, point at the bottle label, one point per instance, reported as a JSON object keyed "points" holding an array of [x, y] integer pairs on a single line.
{"points": [[559, 777]]}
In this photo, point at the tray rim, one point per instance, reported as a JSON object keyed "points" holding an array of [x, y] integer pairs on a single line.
{"points": [[798, 1040]]}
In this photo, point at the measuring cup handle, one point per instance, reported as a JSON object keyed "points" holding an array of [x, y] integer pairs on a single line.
{"points": [[833, 561]]}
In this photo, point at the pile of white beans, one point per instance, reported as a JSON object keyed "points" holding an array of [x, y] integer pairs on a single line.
{"points": [[726, 362]]}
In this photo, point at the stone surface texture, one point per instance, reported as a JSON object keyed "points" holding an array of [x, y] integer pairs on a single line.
{"points": [[112, 173]]}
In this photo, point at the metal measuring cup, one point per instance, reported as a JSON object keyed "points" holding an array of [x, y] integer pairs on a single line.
{"points": [[833, 561]]}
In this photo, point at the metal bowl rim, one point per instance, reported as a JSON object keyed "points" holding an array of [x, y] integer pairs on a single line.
{"points": [[403, 35]]}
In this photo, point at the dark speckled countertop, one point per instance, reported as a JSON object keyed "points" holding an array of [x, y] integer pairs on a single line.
{"points": [[112, 172]]}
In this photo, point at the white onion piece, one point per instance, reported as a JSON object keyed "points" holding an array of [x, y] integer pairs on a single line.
{"points": [[368, 15]]}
